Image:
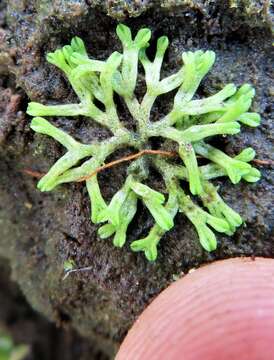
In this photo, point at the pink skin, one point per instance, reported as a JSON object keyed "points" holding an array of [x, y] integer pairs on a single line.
{"points": [[222, 311]]}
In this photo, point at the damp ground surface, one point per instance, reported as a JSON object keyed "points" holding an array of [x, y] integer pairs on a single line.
{"points": [[39, 231]]}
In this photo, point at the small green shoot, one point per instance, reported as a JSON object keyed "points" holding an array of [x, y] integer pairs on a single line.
{"points": [[190, 122]]}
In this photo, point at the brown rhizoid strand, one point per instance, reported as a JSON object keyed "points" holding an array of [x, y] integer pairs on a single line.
{"points": [[39, 175]]}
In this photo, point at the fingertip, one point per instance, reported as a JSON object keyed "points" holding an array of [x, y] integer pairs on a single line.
{"points": [[222, 311]]}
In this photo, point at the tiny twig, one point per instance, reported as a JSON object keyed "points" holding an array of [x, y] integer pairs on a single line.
{"points": [[77, 270], [35, 174], [38, 175], [263, 162], [127, 158]]}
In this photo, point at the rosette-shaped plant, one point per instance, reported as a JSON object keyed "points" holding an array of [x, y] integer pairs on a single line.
{"points": [[188, 124]]}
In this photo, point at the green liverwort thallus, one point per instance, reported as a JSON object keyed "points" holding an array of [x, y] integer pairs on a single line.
{"points": [[189, 123]]}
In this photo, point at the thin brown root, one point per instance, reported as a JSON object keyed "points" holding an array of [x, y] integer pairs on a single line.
{"points": [[127, 158], [34, 174], [263, 162], [38, 175]]}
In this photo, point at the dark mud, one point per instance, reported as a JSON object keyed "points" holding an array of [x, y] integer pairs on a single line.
{"points": [[39, 231], [25, 326]]}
